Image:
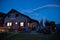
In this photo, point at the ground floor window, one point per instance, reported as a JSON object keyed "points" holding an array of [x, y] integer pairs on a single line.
{"points": [[30, 24], [22, 24], [9, 24]]}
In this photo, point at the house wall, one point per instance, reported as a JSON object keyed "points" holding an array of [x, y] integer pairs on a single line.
{"points": [[33, 24], [12, 18]]}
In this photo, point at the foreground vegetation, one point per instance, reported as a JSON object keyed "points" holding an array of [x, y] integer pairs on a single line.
{"points": [[20, 36]]}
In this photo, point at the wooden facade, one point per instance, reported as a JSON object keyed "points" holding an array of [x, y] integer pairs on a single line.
{"points": [[15, 20]]}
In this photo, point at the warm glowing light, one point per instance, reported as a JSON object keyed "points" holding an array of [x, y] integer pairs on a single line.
{"points": [[16, 23], [28, 24], [22, 24], [9, 24], [3, 30]]}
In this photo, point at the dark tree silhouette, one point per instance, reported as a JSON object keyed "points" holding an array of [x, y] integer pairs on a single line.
{"points": [[50, 25], [53, 25]]}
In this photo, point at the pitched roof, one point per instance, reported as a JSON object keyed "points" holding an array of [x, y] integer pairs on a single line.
{"points": [[13, 11]]}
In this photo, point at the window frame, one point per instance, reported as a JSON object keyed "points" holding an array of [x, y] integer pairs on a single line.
{"points": [[9, 25], [23, 24]]}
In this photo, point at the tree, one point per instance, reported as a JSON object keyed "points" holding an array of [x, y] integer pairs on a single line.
{"points": [[50, 25], [53, 26]]}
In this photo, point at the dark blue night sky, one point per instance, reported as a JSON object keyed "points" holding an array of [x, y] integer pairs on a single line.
{"points": [[36, 9]]}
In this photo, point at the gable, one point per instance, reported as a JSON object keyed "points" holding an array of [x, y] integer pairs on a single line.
{"points": [[14, 13]]}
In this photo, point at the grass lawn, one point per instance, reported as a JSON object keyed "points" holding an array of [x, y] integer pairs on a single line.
{"points": [[20, 36]]}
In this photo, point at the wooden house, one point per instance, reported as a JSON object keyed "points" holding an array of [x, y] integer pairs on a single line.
{"points": [[14, 20]]}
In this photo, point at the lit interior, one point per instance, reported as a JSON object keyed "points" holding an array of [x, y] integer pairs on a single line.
{"points": [[9, 24], [21, 23], [30, 24]]}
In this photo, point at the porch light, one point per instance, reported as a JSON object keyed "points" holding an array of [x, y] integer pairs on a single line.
{"points": [[16, 23]]}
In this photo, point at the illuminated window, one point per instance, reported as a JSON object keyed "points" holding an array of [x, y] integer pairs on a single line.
{"points": [[9, 24], [22, 24], [17, 15], [28, 24]]}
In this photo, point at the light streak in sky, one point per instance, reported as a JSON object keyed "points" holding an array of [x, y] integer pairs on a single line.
{"points": [[41, 7]]}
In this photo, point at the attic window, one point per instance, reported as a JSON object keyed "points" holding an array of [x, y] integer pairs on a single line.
{"points": [[17, 15]]}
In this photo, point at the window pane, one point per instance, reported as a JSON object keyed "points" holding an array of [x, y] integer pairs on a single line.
{"points": [[16, 22], [30, 24], [8, 24], [22, 24]]}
